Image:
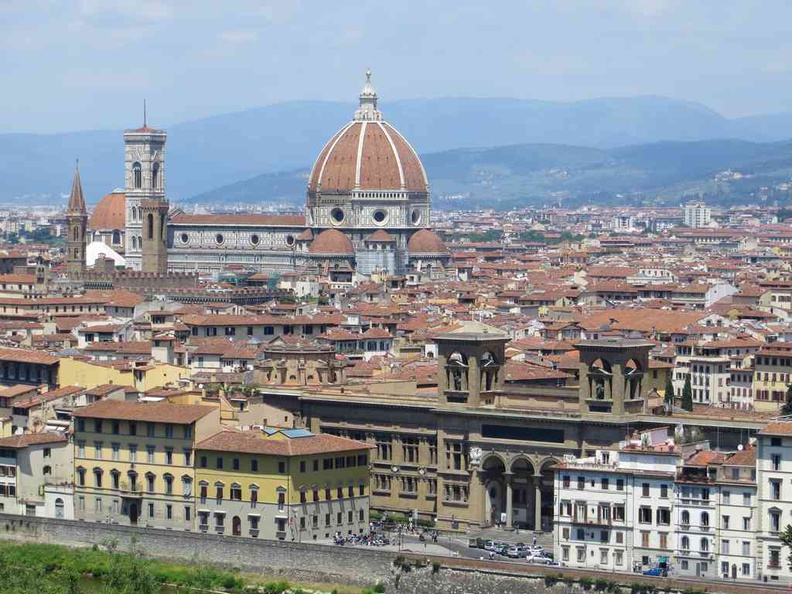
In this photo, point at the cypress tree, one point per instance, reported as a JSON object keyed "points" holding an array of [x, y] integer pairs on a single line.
{"points": [[669, 393], [687, 395]]}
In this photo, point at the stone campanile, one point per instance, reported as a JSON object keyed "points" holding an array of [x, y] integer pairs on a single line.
{"points": [[76, 224], [146, 205]]}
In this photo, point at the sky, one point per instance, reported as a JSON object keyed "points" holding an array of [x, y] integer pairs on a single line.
{"points": [[88, 64]]}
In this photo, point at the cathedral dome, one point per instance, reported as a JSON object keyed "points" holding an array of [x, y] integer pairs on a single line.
{"points": [[368, 154], [109, 213], [332, 243], [426, 242]]}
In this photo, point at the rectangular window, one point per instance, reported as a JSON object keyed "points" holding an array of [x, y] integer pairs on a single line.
{"points": [[187, 513], [254, 466], [604, 484], [645, 490], [116, 451], [169, 431], [645, 515], [664, 491], [150, 454], [150, 429], [168, 512], [302, 465], [281, 467], [132, 428], [219, 463], [169, 456], [620, 484]]}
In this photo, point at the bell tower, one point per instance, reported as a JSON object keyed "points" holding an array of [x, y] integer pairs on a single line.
{"points": [[76, 224], [471, 364], [144, 182]]}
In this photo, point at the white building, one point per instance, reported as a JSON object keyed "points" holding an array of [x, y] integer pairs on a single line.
{"points": [[774, 500], [736, 533], [697, 215], [615, 508]]}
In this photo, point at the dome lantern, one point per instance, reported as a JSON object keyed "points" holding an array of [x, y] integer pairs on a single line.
{"points": [[368, 112]]}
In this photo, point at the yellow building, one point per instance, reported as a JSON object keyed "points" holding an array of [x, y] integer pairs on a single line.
{"points": [[772, 375], [286, 484], [133, 462], [143, 376]]}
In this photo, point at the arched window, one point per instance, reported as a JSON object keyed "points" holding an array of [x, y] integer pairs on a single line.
{"points": [[150, 226], [76, 233], [134, 242], [704, 545], [685, 518], [155, 175], [704, 519], [137, 175], [116, 237], [685, 543], [59, 507]]}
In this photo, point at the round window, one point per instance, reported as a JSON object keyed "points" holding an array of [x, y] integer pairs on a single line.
{"points": [[255, 239], [290, 240], [337, 215], [219, 238], [415, 217], [379, 216], [185, 238]]}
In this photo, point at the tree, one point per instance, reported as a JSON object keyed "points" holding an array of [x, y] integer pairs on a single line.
{"points": [[787, 408], [669, 394], [786, 540], [687, 395]]}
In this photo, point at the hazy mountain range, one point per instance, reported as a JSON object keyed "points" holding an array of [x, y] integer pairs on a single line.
{"points": [[262, 154]]}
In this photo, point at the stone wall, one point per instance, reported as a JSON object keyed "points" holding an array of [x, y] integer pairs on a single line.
{"points": [[358, 565]]}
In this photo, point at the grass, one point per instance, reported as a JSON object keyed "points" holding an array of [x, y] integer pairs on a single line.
{"points": [[45, 569]]}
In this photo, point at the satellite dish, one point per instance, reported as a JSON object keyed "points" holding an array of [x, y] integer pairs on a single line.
{"points": [[740, 448]]}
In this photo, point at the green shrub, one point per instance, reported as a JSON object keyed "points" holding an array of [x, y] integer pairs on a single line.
{"points": [[378, 588], [551, 580], [601, 584], [586, 583], [276, 587], [435, 566]]}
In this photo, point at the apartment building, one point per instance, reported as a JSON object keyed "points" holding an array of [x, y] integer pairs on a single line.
{"points": [[774, 500], [28, 463], [736, 531], [615, 508], [286, 484], [772, 375], [133, 461], [697, 514]]}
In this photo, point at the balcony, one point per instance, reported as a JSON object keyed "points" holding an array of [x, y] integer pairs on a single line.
{"points": [[254, 532], [220, 529], [203, 528], [773, 565]]}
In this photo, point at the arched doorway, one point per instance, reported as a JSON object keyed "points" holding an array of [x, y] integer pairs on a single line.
{"points": [[236, 526], [523, 493], [493, 470], [133, 514], [59, 508]]}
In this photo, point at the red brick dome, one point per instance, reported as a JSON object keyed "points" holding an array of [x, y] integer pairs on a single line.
{"points": [[368, 154], [332, 242], [426, 242], [109, 213]]}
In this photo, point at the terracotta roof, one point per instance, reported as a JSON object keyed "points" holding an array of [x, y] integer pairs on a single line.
{"points": [[777, 429], [381, 160], [109, 213], [331, 241], [155, 412], [381, 235], [426, 242], [29, 439], [251, 442], [242, 220], [26, 356]]}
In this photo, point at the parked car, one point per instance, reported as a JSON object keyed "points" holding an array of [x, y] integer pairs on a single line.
{"points": [[476, 543], [655, 571], [490, 545], [537, 548], [515, 552], [502, 548], [538, 559]]}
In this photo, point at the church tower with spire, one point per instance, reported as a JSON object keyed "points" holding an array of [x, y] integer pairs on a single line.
{"points": [[76, 224], [146, 205]]}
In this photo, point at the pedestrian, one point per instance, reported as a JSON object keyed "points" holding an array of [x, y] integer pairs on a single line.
{"points": [[534, 540]]}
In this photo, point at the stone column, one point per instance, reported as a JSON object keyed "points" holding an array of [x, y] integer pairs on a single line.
{"points": [[538, 504], [509, 495]]}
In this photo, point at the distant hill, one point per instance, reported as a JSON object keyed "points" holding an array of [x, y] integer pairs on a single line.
{"points": [[220, 150], [519, 175]]}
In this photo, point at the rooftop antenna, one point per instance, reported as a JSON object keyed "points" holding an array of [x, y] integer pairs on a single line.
{"points": [[144, 113]]}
